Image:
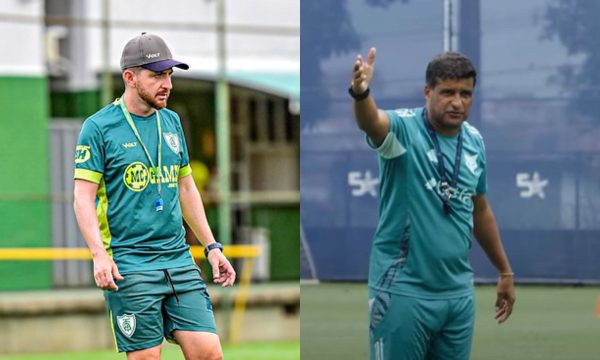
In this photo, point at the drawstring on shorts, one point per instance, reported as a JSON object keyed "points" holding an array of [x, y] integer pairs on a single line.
{"points": [[170, 282]]}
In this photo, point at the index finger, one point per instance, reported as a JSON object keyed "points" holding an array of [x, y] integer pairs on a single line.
{"points": [[503, 313], [371, 57], [230, 280], [112, 285]]}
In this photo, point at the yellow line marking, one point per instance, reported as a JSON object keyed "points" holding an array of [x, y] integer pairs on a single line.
{"points": [[29, 254]]}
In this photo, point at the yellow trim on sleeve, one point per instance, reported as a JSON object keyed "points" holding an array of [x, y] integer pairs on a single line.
{"points": [[89, 175], [184, 171], [102, 212]]}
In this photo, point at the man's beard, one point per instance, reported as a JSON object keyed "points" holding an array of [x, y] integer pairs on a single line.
{"points": [[444, 124], [150, 100]]}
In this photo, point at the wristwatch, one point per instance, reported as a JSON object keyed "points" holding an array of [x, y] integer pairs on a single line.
{"points": [[212, 246], [359, 97]]}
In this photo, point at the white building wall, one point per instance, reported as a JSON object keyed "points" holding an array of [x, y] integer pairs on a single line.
{"points": [[22, 29], [188, 27], [268, 42]]}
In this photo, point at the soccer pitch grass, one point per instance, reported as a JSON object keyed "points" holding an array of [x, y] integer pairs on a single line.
{"points": [[550, 323], [289, 350]]}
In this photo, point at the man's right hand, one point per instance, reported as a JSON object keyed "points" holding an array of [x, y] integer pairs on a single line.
{"points": [[105, 273], [363, 72]]}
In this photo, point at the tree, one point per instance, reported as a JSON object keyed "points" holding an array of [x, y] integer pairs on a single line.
{"points": [[326, 30], [575, 24]]}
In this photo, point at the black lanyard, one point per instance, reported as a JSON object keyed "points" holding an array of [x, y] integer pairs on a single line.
{"points": [[447, 188]]}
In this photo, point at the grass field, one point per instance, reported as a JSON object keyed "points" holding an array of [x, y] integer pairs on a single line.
{"points": [[249, 351], [549, 323]]}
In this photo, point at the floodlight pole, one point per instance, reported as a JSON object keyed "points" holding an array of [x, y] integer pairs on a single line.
{"points": [[223, 159], [222, 127], [106, 92]]}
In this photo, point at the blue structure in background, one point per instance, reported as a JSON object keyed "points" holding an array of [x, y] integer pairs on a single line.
{"points": [[537, 106]]}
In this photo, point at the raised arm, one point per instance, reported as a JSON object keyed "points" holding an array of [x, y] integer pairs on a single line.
{"points": [[374, 122], [487, 234]]}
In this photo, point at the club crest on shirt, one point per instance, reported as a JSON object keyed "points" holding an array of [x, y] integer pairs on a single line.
{"points": [[126, 324], [173, 141], [471, 162], [432, 156]]}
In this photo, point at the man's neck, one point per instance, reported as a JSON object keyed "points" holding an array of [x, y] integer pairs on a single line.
{"points": [[444, 131], [136, 105]]}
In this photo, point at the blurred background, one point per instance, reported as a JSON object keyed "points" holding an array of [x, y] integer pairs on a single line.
{"points": [[537, 105], [240, 109]]}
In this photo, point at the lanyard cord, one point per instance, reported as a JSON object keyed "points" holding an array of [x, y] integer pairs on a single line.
{"points": [[137, 135], [447, 188]]}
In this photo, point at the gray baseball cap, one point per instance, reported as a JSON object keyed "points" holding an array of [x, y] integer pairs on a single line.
{"points": [[150, 52]]}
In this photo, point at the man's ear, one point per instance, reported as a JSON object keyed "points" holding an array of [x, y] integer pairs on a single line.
{"points": [[129, 77], [427, 92]]}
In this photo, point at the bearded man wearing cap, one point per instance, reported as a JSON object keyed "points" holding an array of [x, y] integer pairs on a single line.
{"points": [[132, 190]]}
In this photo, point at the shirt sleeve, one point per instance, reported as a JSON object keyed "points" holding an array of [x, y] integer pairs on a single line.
{"points": [[89, 153], [395, 143], [184, 167]]}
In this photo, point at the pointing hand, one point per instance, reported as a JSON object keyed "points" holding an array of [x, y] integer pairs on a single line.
{"points": [[363, 72]]}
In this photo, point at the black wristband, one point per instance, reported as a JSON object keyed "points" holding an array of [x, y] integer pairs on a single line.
{"points": [[212, 246], [361, 96]]}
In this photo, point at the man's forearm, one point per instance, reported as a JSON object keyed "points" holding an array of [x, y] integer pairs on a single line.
{"points": [[194, 214], [365, 112], [85, 212], [487, 234]]}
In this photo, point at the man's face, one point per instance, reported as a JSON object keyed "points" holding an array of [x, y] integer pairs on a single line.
{"points": [[154, 87], [449, 103]]}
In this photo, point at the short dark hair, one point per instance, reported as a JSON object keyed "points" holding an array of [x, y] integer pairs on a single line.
{"points": [[449, 65]]}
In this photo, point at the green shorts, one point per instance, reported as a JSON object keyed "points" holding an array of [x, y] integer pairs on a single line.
{"points": [[410, 328], [150, 305]]}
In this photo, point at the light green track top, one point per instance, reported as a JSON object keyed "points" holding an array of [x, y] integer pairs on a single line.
{"points": [[418, 250]]}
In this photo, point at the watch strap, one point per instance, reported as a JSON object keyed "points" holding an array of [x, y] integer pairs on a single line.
{"points": [[361, 96], [212, 246]]}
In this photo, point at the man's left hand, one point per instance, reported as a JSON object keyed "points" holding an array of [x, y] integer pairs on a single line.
{"points": [[505, 298], [223, 272]]}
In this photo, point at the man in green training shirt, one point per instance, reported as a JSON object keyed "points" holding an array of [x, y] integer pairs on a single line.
{"points": [[432, 198], [132, 190]]}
